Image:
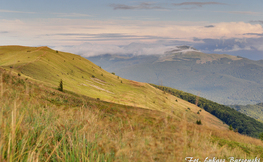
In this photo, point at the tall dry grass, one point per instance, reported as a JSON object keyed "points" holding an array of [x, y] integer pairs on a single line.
{"points": [[41, 124]]}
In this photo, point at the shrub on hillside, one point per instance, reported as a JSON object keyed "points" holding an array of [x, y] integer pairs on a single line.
{"points": [[199, 122], [60, 88], [230, 127]]}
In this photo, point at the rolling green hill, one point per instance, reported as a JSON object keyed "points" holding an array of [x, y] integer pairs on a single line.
{"points": [[221, 78], [79, 75]]}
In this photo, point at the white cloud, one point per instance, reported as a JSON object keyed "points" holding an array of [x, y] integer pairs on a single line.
{"points": [[247, 48], [253, 45], [235, 48], [61, 31], [93, 49], [218, 50], [198, 4], [245, 12], [11, 11], [140, 6], [72, 15], [241, 40]]}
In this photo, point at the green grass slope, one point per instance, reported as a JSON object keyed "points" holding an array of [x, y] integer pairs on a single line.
{"points": [[78, 75], [82, 77], [39, 123]]}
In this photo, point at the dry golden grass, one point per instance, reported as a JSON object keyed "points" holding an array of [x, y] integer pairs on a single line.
{"points": [[38, 123]]}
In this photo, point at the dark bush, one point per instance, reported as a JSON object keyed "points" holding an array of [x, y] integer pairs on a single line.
{"points": [[60, 88], [199, 122]]}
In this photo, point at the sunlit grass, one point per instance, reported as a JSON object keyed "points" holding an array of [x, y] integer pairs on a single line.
{"points": [[38, 123]]}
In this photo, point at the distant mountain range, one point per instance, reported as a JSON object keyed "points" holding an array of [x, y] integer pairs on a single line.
{"points": [[223, 78]]}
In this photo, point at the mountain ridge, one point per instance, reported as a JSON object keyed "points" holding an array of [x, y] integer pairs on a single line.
{"points": [[222, 78]]}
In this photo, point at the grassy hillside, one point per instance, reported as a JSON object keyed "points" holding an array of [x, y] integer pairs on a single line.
{"points": [[244, 124], [221, 78], [100, 117], [254, 111], [39, 123], [81, 76]]}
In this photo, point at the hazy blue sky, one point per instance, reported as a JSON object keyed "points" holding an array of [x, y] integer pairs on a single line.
{"points": [[97, 27]]}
